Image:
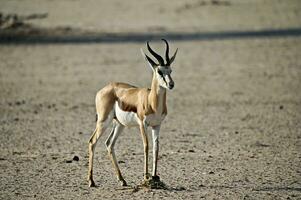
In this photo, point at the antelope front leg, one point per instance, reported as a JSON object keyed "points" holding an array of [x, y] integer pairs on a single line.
{"points": [[155, 135], [145, 145]]}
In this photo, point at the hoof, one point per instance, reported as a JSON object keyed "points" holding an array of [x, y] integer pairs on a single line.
{"points": [[91, 183], [154, 183], [156, 178], [123, 183], [147, 177]]}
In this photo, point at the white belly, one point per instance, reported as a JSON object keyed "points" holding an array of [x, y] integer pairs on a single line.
{"points": [[131, 118], [126, 118]]}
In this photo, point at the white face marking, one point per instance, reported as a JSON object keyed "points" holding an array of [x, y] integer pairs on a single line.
{"points": [[126, 118], [164, 77]]}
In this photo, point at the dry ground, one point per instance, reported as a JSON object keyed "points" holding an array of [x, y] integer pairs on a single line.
{"points": [[233, 129]]}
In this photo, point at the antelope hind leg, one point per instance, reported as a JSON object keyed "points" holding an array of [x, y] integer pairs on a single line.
{"points": [[110, 143]]}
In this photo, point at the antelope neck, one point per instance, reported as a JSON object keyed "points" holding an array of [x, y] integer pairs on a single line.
{"points": [[156, 95]]}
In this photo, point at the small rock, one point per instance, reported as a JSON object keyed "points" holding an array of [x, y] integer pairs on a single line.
{"points": [[236, 132], [191, 150], [16, 119], [121, 161], [74, 107], [211, 172], [281, 107], [181, 188], [68, 161], [259, 144], [75, 158]]}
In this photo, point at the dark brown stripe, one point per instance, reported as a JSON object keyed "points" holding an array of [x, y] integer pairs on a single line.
{"points": [[127, 107]]}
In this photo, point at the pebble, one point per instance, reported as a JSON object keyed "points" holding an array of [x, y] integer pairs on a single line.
{"points": [[75, 158]]}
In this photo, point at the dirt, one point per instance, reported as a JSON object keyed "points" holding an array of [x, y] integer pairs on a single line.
{"points": [[233, 128]]}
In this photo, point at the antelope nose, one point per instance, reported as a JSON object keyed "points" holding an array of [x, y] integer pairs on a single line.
{"points": [[171, 85]]}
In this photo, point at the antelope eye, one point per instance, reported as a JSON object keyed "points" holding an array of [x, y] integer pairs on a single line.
{"points": [[160, 73]]}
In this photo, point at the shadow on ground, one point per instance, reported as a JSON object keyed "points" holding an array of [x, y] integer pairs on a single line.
{"points": [[66, 35]]}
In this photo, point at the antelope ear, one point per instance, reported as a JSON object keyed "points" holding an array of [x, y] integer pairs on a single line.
{"points": [[173, 57], [150, 62]]}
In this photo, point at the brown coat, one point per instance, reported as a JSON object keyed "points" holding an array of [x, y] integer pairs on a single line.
{"points": [[142, 101]]}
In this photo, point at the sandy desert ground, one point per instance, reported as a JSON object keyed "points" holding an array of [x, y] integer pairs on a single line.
{"points": [[234, 125]]}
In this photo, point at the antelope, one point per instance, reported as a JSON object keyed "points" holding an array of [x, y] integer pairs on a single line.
{"points": [[125, 105]]}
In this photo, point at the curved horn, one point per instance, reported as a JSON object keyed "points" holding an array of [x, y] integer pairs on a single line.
{"points": [[158, 57], [173, 57], [166, 52], [148, 59]]}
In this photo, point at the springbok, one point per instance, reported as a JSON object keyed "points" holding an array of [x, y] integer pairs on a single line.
{"points": [[126, 105]]}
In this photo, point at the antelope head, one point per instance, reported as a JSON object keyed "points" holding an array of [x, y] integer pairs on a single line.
{"points": [[162, 70]]}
